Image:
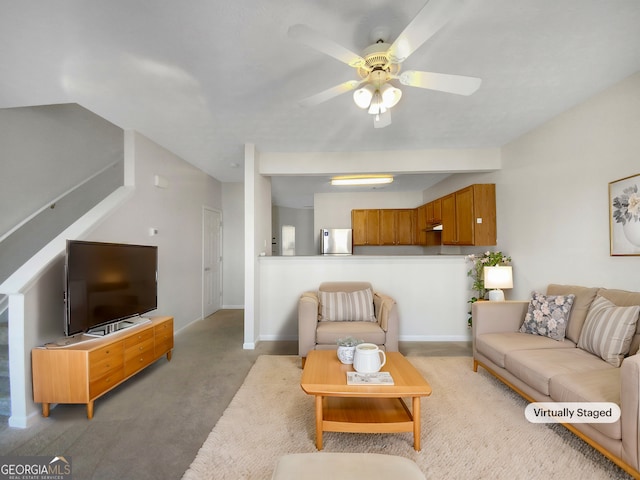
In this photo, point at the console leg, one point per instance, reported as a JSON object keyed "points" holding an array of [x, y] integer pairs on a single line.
{"points": [[90, 410], [169, 353], [475, 365], [45, 409]]}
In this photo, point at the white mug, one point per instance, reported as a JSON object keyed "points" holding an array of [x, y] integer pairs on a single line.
{"points": [[368, 358]]}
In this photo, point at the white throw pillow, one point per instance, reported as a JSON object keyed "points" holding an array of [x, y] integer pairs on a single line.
{"points": [[608, 330], [347, 306]]}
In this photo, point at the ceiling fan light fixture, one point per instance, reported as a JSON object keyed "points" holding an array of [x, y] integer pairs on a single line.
{"points": [[377, 105], [362, 97], [390, 95], [362, 180]]}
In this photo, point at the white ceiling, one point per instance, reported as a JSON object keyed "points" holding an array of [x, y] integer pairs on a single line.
{"points": [[204, 77]]}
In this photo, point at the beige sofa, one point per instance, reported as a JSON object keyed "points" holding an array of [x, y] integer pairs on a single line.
{"points": [[317, 330], [543, 369]]}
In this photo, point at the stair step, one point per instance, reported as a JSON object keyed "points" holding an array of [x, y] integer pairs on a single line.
{"points": [[4, 333], [5, 397], [4, 360]]}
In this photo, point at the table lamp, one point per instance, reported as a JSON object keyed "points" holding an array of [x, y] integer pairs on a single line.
{"points": [[496, 278]]}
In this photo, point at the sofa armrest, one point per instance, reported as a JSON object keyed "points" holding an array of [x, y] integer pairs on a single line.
{"points": [[630, 409], [386, 312], [307, 322], [497, 317]]}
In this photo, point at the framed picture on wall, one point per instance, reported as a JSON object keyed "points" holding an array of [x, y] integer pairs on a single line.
{"points": [[624, 216]]}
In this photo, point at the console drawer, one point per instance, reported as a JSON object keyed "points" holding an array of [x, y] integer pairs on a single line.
{"points": [[138, 338], [164, 338], [105, 360], [104, 383], [138, 356]]}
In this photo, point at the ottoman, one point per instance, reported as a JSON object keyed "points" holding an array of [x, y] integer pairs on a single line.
{"points": [[322, 465]]}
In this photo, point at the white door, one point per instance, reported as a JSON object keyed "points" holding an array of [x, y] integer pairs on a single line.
{"points": [[211, 261]]}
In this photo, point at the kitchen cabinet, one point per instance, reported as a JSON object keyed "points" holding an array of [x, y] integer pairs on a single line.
{"points": [[469, 216], [366, 227], [434, 212], [427, 216], [397, 226]]}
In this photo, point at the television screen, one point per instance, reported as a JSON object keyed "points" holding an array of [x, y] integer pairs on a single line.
{"points": [[108, 282]]}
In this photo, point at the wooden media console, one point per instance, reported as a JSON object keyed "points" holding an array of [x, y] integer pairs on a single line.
{"points": [[83, 371]]}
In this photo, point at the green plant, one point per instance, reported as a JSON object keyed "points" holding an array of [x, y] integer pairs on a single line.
{"points": [[476, 272]]}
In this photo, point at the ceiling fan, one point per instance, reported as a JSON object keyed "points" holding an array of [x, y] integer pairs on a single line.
{"points": [[380, 63]]}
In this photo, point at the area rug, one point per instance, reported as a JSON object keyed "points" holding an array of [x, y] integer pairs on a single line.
{"points": [[473, 427]]}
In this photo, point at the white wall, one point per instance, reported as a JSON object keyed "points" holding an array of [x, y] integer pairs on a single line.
{"points": [[257, 240], [46, 151], [302, 220], [554, 213], [233, 245], [176, 211]]}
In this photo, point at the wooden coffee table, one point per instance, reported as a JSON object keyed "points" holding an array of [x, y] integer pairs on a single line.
{"points": [[363, 408]]}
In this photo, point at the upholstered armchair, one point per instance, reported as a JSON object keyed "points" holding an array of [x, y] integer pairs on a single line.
{"points": [[343, 309]]}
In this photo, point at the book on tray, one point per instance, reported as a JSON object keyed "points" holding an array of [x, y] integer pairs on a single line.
{"points": [[377, 378]]}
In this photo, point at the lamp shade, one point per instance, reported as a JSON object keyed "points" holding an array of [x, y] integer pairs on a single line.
{"points": [[390, 95], [498, 277], [362, 97]]}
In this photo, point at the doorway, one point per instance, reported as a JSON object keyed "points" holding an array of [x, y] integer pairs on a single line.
{"points": [[211, 261]]}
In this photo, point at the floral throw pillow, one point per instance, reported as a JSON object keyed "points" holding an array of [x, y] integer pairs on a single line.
{"points": [[548, 315]]}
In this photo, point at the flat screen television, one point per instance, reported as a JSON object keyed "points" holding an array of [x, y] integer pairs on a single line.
{"points": [[106, 283]]}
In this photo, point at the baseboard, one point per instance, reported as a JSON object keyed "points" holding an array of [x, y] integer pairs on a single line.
{"points": [[25, 421], [278, 338], [435, 338]]}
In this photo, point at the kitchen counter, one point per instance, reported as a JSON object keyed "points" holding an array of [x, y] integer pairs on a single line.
{"points": [[431, 291]]}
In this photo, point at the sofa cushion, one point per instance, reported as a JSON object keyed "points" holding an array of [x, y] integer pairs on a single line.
{"points": [[495, 346], [329, 332], [608, 330], [548, 315], [583, 298], [354, 306], [591, 386], [625, 298], [537, 367]]}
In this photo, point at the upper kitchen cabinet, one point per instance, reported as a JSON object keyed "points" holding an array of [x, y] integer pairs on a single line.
{"points": [[434, 212], [366, 227], [397, 226], [469, 216], [427, 217]]}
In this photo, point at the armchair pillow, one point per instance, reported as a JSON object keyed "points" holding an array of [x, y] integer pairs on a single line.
{"points": [[347, 306]]}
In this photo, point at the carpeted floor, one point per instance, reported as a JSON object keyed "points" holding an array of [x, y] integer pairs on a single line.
{"points": [[473, 428]]}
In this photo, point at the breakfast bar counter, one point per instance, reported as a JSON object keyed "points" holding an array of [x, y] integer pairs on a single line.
{"points": [[431, 291]]}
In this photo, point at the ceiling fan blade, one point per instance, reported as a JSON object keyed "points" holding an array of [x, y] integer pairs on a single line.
{"points": [[329, 93], [433, 16], [442, 82], [316, 40]]}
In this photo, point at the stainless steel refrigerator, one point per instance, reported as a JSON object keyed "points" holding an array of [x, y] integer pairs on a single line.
{"points": [[336, 241]]}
